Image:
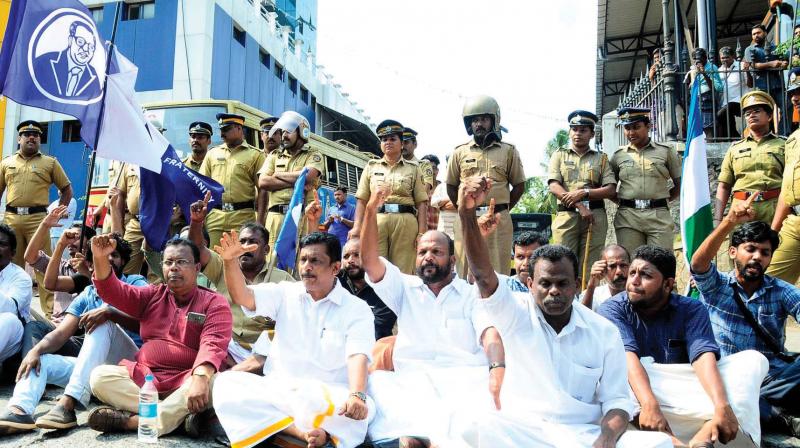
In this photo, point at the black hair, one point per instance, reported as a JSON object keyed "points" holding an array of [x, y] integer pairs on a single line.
{"points": [[755, 232], [342, 189], [662, 259], [331, 242], [554, 253], [727, 51], [88, 232], [258, 228], [700, 52], [178, 241], [432, 158], [12, 237], [529, 237], [617, 246], [123, 249], [760, 27]]}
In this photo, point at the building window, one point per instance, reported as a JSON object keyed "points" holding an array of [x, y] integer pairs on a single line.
{"points": [[304, 94], [97, 14], [263, 56], [71, 133], [239, 35], [279, 71], [140, 11], [293, 84], [300, 27], [45, 129]]}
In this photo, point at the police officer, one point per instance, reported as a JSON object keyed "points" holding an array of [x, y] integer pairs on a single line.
{"points": [[409, 146], [398, 227], [644, 169], [271, 142], [581, 177], [754, 164], [786, 259], [486, 155], [200, 134], [284, 166], [235, 165], [27, 175]]}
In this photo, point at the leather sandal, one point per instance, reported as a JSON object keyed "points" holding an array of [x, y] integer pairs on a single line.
{"points": [[108, 419]]}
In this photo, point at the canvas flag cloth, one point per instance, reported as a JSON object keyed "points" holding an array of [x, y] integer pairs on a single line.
{"points": [[286, 244], [696, 218]]}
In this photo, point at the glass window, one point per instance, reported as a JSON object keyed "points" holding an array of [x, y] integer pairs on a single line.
{"points": [[293, 84], [139, 11], [239, 35], [45, 132], [304, 94], [97, 14], [263, 56], [279, 71], [71, 133], [331, 176], [178, 119]]}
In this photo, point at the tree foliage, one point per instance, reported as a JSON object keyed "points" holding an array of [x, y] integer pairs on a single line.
{"points": [[537, 197]]}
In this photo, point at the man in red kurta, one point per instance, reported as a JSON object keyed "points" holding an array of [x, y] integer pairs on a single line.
{"points": [[185, 329]]}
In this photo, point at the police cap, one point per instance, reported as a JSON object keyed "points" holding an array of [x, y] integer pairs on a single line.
{"points": [[201, 127], [757, 98], [267, 123], [409, 134], [628, 115], [29, 126], [226, 120], [389, 127], [582, 118]]}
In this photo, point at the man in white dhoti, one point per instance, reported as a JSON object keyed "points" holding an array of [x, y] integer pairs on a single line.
{"points": [[315, 377], [565, 383], [439, 366]]}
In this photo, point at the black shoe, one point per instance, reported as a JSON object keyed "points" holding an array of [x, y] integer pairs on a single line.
{"points": [[11, 423], [197, 425], [784, 423], [57, 418]]}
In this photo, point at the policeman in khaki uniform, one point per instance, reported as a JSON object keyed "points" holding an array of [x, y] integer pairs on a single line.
{"points": [[271, 142], [27, 176], [398, 227], [644, 169], [128, 204], [200, 134], [283, 167], [581, 177], [235, 165], [786, 260], [754, 164], [409, 146], [486, 155]]}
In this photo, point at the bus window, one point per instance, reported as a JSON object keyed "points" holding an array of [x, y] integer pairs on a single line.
{"points": [[331, 175], [178, 119], [250, 136], [341, 173], [352, 177]]}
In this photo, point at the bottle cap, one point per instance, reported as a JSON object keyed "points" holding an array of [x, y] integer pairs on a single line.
{"points": [[149, 378]]}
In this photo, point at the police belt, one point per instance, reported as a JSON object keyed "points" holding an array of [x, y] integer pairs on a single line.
{"points": [[26, 210], [234, 206], [497, 208], [397, 208], [643, 204], [282, 209], [760, 195], [592, 205]]}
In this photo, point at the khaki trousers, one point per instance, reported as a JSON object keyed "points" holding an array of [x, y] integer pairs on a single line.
{"points": [[134, 237], [24, 227], [397, 235], [500, 242], [219, 221], [570, 230], [636, 228], [112, 385], [785, 262], [273, 225]]}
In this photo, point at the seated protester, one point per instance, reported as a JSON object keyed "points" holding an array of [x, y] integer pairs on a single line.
{"points": [[352, 279], [748, 309], [38, 258], [613, 268], [255, 269], [105, 343], [153, 258], [565, 381], [438, 364], [524, 245], [673, 368], [15, 296], [318, 360], [185, 329]]}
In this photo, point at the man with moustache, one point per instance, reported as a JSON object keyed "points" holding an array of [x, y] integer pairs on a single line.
{"points": [[271, 140], [352, 279], [613, 268], [735, 299], [761, 60], [524, 245], [200, 134], [682, 387]]}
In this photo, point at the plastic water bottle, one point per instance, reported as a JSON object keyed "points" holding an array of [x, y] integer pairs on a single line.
{"points": [[148, 412]]}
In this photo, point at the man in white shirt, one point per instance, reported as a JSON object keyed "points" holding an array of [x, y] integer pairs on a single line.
{"points": [[613, 268], [735, 85], [566, 384], [439, 365], [315, 377], [15, 296]]}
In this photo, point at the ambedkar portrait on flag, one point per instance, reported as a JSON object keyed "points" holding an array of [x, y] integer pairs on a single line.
{"points": [[66, 64]]}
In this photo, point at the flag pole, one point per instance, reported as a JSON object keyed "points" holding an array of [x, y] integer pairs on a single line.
{"points": [[92, 159]]}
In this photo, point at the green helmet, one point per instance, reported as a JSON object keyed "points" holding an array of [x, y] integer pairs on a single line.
{"points": [[482, 105]]}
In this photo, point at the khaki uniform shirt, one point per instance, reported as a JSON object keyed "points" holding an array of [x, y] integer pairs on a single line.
{"points": [[191, 163], [129, 183], [282, 161], [244, 328], [754, 166], [236, 169], [574, 172], [28, 180], [427, 171], [405, 178], [790, 189], [500, 161], [644, 174]]}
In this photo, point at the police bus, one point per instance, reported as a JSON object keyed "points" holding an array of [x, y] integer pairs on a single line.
{"points": [[343, 163]]}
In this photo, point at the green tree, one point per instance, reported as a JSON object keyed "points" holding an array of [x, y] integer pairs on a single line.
{"points": [[537, 197]]}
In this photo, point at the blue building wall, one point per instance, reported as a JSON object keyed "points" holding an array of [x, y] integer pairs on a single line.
{"points": [[237, 73], [73, 158]]}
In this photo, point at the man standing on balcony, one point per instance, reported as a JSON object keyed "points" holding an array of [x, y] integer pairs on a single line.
{"points": [[710, 87], [644, 169], [762, 61], [580, 177], [731, 72]]}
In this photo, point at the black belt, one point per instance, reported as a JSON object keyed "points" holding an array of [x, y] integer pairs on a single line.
{"points": [[282, 209], [397, 208], [233, 206], [593, 205], [643, 204], [26, 210], [497, 208]]}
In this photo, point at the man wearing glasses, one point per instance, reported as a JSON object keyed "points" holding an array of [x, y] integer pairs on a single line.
{"points": [[69, 73]]}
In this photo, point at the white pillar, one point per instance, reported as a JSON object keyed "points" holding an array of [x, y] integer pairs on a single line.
{"points": [[702, 25]]}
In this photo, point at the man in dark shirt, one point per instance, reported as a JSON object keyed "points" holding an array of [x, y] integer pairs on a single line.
{"points": [[765, 65], [352, 278], [660, 327]]}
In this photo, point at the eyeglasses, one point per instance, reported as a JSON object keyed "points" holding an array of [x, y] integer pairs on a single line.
{"points": [[83, 43], [181, 262]]}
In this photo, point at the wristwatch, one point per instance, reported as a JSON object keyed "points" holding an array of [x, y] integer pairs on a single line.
{"points": [[496, 365], [360, 395]]}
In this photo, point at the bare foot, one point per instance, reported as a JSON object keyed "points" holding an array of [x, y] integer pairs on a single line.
{"points": [[316, 438]]}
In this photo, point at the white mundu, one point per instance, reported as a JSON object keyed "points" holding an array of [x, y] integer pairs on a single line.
{"points": [[557, 386], [305, 378], [439, 366], [15, 307]]}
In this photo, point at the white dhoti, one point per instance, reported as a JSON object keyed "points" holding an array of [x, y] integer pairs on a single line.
{"points": [[423, 403], [252, 408], [686, 405]]}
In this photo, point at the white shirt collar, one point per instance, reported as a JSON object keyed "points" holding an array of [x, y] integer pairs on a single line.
{"points": [[335, 296], [575, 319]]}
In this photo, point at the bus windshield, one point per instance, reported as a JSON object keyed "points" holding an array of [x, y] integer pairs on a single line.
{"points": [[177, 120]]}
